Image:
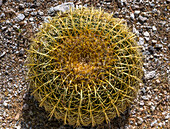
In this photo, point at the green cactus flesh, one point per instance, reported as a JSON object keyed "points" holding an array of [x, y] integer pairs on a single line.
{"points": [[84, 66]]}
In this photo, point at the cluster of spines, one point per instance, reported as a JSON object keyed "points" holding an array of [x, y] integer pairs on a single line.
{"points": [[84, 66]]}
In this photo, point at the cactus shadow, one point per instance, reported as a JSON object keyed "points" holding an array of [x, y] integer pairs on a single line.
{"points": [[35, 117]]}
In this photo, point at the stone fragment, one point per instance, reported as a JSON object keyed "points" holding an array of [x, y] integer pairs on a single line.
{"points": [[169, 46], [152, 4], [150, 75], [145, 98], [3, 54], [137, 12], [38, 4], [40, 13], [154, 41], [136, 6], [27, 11], [21, 6], [151, 49], [63, 7], [153, 123], [142, 19], [2, 15], [154, 28], [18, 127], [135, 31], [157, 81], [140, 120], [153, 108], [146, 34], [167, 116], [141, 103], [147, 38], [4, 114], [154, 10], [141, 41], [51, 10], [31, 19], [132, 16], [20, 17], [33, 13], [158, 46], [5, 103], [149, 103], [143, 90]]}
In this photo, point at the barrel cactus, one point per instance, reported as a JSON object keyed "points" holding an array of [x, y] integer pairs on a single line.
{"points": [[84, 66]]}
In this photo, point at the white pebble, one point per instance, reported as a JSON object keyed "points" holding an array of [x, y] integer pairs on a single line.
{"points": [[146, 34]]}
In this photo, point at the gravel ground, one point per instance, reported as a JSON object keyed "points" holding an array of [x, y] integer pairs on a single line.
{"points": [[149, 19]]}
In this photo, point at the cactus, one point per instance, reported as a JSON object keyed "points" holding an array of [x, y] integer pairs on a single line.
{"points": [[84, 66]]}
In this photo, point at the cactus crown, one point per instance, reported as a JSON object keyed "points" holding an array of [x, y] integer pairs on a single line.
{"points": [[84, 66]]}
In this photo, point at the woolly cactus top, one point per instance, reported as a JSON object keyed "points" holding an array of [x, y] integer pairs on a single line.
{"points": [[84, 66]]}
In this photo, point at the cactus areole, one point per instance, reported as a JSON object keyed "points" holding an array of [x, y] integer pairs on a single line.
{"points": [[84, 66]]}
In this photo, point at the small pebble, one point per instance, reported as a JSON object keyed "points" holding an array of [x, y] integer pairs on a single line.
{"points": [[142, 19], [140, 120], [137, 12], [154, 28], [3, 54], [151, 49], [141, 41], [2, 15], [167, 116], [132, 16], [141, 103], [158, 46], [149, 103], [145, 98], [154, 41], [153, 123], [147, 38], [20, 17], [31, 19], [135, 31], [5, 103], [146, 34], [153, 108], [40, 13], [33, 13], [4, 114], [150, 75]]}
